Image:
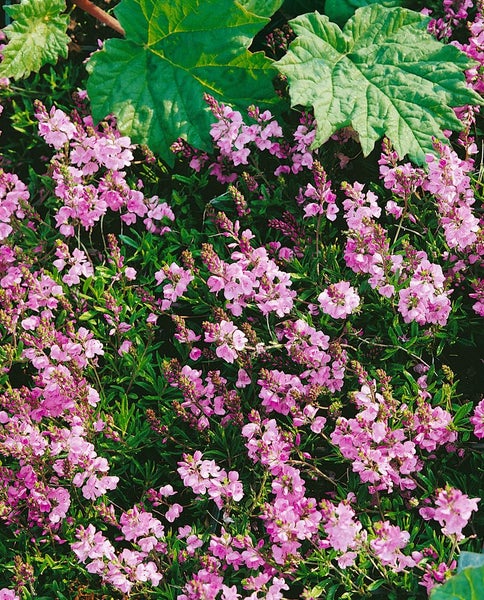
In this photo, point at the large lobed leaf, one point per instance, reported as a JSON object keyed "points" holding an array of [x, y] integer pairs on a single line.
{"points": [[383, 74], [36, 37], [340, 11], [174, 52], [466, 585]]}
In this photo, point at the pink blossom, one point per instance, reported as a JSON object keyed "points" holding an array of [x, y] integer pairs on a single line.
{"points": [[341, 527], [387, 546], [173, 512], [55, 127], [92, 544], [6, 594], [229, 339], [125, 347], [130, 273], [179, 279], [243, 379], [318, 424], [437, 574], [339, 300], [477, 420], [453, 511]]}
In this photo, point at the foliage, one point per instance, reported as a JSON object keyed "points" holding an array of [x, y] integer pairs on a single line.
{"points": [[378, 76], [36, 37], [470, 559], [467, 585], [340, 11], [175, 52], [253, 375]]}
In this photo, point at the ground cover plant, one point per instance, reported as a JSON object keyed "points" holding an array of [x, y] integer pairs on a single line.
{"points": [[241, 308]]}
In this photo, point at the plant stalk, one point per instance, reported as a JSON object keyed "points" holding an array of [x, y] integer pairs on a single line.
{"points": [[101, 15]]}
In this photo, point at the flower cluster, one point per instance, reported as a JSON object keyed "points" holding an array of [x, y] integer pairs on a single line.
{"points": [[251, 277], [206, 477], [422, 296], [455, 12], [319, 199], [125, 568], [203, 400], [13, 193], [382, 452], [339, 300], [453, 511], [44, 429], [235, 141], [89, 176]]}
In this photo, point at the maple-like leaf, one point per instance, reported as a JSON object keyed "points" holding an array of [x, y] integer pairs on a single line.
{"points": [[383, 74], [36, 36], [174, 52], [340, 11]]}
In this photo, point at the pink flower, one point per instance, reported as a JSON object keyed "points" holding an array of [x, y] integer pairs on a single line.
{"points": [[130, 273], [56, 127], [341, 527], [387, 545], [124, 348], [228, 337], [195, 354], [179, 279], [243, 379], [6, 594], [437, 574], [339, 300], [477, 420], [453, 511], [173, 512], [318, 424], [92, 544]]}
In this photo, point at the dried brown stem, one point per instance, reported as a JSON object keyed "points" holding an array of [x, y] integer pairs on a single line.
{"points": [[100, 14]]}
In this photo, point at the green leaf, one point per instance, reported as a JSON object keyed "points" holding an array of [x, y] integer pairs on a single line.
{"points": [[340, 11], [467, 585], [174, 52], [383, 74], [36, 37], [470, 559]]}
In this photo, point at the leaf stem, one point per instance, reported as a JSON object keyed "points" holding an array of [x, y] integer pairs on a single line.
{"points": [[101, 15]]}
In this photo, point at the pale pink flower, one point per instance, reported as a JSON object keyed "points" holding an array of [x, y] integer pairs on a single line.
{"points": [[6, 594], [173, 512], [387, 546], [477, 420], [230, 340], [339, 300], [453, 511]]}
